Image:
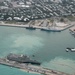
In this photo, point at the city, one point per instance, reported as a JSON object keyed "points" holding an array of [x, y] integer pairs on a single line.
{"points": [[37, 37], [26, 10]]}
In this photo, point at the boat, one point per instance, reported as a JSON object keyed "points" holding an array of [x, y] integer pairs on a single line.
{"points": [[21, 59], [70, 49], [49, 30], [31, 28], [45, 29]]}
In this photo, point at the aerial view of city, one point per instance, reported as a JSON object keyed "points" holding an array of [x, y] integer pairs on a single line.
{"points": [[37, 37]]}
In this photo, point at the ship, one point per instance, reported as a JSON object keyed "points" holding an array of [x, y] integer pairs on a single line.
{"points": [[45, 29], [22, 59], [30, 28], [49, 30], [70, 49]]}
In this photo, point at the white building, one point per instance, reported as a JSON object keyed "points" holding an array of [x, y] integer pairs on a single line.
{"points": [[57, 1]]}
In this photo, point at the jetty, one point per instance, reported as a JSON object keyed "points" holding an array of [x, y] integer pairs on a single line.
{"points": [[30, 68]]}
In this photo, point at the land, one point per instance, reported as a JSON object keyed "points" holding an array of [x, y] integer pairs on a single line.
{"points": [[30, 68], [44, 24], [46, 15], [26, 10]]}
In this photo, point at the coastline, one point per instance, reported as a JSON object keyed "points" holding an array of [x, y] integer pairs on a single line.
{"points": [[44, 28], [30, 68]]}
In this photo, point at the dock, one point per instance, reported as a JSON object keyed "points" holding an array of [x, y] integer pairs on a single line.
{"points": [[30, 68], [56, 27], [72, 31]]}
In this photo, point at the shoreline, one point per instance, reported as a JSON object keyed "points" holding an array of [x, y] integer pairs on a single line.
{"points": [[72, 31], [43, 28], [30, 68]]}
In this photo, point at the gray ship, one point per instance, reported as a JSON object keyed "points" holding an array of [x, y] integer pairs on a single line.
{"points": [[22, 59]]}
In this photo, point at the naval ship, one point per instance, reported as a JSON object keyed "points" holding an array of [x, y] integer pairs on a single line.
{"points": [[22, 59]]}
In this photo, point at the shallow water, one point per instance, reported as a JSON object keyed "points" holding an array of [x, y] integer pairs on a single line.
{"points": [[48, 48]]}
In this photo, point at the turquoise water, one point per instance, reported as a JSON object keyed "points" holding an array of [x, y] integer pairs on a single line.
{"points": [[48, 48]]}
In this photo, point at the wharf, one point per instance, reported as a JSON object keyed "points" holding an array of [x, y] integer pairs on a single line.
{"points": [[30, 68], [44, 28], [72, 31]]}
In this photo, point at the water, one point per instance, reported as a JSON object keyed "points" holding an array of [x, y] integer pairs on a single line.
{"points": [[48, 48]]}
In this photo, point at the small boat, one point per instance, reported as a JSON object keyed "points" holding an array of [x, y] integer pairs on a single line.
{"points": [[70, 49], [31, 28]]}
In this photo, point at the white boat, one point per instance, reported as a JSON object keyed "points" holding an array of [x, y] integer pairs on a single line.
{"points": [[73, 49], [70, 49]]}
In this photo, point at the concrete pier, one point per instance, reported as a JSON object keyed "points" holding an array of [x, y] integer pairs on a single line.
{"points": [[30, 68]]}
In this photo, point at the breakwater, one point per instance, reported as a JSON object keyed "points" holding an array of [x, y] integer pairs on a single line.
{"points": [[30, 68]]}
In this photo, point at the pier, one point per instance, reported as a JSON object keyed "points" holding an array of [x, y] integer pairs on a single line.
{"points": [[30, 68]]}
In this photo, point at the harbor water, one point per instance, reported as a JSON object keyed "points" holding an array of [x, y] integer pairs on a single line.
{"points": [[49, 48]]}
